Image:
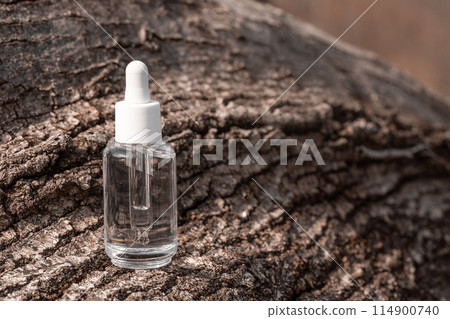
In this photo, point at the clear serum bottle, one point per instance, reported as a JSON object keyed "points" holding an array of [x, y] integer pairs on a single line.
{"points": [[139, 180]]}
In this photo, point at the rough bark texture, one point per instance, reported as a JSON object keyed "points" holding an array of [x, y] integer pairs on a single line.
{"points": [[381, 204]]}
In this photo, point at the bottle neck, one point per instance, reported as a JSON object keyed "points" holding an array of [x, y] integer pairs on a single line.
{"points": [[138, 123]]}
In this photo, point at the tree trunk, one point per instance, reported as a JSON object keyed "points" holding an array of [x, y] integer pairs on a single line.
{"points": [[379, 206]]}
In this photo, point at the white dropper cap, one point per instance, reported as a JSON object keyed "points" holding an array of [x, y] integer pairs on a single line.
{"points": [[138, 118]]}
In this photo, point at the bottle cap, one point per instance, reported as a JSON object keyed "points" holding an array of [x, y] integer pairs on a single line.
{"points": [[138, 117]]}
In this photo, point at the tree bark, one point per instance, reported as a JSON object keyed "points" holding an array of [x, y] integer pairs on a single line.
{"points": [[379, 206]]}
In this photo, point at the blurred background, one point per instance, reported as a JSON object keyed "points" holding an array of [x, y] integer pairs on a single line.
{"points": [[412, 34]]}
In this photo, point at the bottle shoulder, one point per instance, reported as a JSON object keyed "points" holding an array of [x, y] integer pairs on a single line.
{"points": [[159, 148]]}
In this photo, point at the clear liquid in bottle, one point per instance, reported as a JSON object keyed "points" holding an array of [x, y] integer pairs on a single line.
{"points": [[140, 204]]}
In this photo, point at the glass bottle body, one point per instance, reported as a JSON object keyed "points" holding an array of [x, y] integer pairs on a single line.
{"points": [[140, 204]]}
